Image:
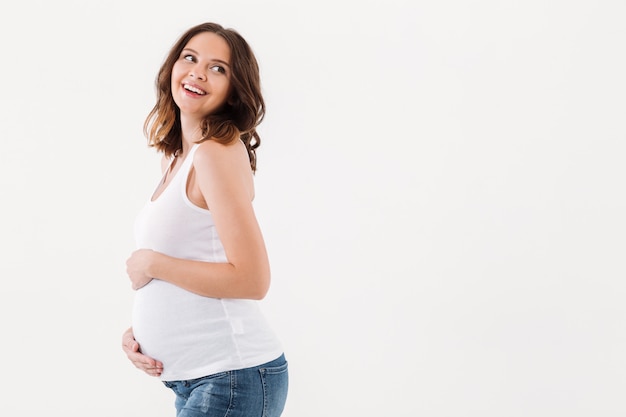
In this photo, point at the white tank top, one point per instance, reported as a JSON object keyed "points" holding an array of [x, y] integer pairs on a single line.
{"points": [[192, 335]]}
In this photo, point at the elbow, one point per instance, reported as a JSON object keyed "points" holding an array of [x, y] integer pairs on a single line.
{"points": [[258, 296], [251, 281], [259, 286], [256, 293], [261, 289]]}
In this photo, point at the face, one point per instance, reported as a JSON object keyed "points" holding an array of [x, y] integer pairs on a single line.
{"points": [[201, 76]]}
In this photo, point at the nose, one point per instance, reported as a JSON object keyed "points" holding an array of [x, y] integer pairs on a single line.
{"points": [[196, 73]]}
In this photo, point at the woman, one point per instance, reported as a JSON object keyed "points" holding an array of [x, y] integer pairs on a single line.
{"points": [[202, 262]]}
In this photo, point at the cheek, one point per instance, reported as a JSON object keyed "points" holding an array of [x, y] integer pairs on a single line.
{"points": [[177, 74], [225, 88]]}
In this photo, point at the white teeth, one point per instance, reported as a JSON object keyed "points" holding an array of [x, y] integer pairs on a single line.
{"points": [[193, 89]]}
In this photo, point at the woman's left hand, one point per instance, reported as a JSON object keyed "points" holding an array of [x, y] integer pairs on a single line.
{"points": [[137, 267]]}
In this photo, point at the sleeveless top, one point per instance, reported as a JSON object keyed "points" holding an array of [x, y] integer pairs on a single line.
{"points": [[193, 335]]}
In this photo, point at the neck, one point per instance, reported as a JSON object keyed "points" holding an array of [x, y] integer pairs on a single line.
{"points": [[191, 133]]}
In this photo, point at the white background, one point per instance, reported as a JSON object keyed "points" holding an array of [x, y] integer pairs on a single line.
{"points": [[441, 188]]}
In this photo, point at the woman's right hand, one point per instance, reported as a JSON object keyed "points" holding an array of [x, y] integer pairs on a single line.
{"points": [[142, 362]]}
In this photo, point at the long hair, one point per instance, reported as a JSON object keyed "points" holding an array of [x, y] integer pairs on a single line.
{"points": [[237, 119]]}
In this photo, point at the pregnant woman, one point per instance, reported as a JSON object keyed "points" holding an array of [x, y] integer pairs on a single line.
{"points": [[201, 263]]}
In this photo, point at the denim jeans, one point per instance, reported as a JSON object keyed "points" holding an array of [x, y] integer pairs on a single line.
{"points": [[260, 391]]}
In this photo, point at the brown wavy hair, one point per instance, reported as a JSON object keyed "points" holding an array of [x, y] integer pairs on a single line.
{"points": [[237, 118]]}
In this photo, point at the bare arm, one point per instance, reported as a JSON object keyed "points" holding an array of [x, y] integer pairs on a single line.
{"points": [[224, 179]]}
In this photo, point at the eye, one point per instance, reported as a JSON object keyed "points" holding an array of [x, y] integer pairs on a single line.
{"points": [[218, 68], [189, 58]]}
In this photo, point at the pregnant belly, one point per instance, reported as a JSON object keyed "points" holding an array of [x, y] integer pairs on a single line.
{"points": [[170, 322]]}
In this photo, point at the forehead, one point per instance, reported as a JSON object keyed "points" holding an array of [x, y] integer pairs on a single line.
{"points": [[210, 45]]}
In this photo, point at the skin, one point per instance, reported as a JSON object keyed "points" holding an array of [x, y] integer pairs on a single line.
{"points": [[220, 180]]}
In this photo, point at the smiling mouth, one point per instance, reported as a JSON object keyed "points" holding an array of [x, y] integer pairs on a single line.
{"points": [[194, 89]]}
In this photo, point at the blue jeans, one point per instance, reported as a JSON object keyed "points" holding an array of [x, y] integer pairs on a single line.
{"points": [[260, 391]]}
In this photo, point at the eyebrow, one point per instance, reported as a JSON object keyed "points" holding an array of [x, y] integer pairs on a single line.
{"points": [[214, 59]]}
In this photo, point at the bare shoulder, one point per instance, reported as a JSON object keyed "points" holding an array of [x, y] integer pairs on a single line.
{"points": [[218, 157], [223, 170]]}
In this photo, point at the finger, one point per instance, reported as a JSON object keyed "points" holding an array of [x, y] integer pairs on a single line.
{"points": [[153, 370], [145, 363], [145, 366], [138, 357]]}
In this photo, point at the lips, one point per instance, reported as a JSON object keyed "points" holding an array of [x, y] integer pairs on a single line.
{"points": [[194, 89]]}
